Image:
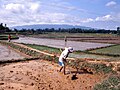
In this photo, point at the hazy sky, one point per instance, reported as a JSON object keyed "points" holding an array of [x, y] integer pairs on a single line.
{"points": [[91, 13]]}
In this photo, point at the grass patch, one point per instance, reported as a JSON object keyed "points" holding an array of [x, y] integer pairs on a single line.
{"points": [[98, 67], [91, 56], [111, 83], [47, 49], [113, 50]]}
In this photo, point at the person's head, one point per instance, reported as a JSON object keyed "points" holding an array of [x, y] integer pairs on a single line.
{"points": [[70, 49]]}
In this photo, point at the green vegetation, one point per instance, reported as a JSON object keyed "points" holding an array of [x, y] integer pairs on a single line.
{"points": [[79, 63], [70, 30], [111, 83], [76, 54], [98, 67], [55, 51], [5, 37], [88, 55], [50, 50], [113, 50], [92, 67]]}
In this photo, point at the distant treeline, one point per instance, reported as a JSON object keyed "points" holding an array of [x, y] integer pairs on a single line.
{"points": [[71, 30], [4, 28]]}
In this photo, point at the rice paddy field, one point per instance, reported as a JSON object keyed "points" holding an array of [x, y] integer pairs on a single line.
{"points": [[75, 54], [77, 45], [62, 35], [113, 49], [52, 42], [84, 37], [6, 53], [84, 50]]}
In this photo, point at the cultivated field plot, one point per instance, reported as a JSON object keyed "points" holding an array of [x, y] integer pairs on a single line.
{"points": [[104, 40], [80, 55], [115, 50], [85, 37], [113, 40], [47, 49], [7, 54], [94, 56], [74, 35], [60, 43]]}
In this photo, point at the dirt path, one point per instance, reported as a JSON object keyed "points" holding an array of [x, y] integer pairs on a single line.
{"points": [[43, 75]]}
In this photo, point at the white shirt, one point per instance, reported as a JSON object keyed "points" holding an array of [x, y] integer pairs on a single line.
{"points": [[64, 55]]}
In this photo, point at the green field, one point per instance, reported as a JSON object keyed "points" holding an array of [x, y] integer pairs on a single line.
{"points": [[111, 83], [114, 50], [50, 50], [78, 54]]}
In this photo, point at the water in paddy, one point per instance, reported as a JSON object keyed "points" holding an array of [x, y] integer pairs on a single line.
{"points": [[6, 53], [60, 43]]}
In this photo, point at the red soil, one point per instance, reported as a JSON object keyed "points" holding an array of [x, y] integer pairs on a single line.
{"points": [[44, 75]]}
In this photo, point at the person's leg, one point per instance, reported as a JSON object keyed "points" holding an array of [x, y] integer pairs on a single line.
{"points": [[61, 69], [64, 62], [64, 70], [61, 64]]}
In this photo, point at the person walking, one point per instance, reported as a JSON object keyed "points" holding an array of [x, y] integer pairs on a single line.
{"points": [[62, 58]]}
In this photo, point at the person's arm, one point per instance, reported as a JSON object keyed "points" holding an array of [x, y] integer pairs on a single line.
{"points": [[64, 59], [65, 56]]}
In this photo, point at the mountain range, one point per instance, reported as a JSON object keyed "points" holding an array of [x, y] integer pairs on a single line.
{"points": [[55, 26]]}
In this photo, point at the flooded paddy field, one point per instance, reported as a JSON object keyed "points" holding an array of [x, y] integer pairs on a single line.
{"points": [[6, 53], [80, 55], [89, 37], [114, 40], [77, 45]]}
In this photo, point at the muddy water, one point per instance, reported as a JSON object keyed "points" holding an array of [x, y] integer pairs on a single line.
{"points": [[60, 43], [7, 54]]}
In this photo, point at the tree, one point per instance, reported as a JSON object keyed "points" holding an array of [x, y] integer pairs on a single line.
{"points": [[2, 28], [118, 30], [15, 30]]}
